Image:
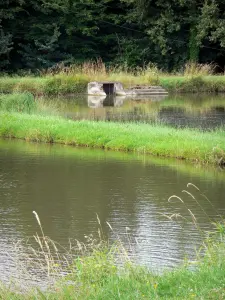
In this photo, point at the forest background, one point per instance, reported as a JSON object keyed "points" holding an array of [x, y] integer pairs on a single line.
{"points": [[39, 34]]}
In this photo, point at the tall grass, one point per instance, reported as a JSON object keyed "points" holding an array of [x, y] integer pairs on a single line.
{"points": [[195, 69], [26, 103], [74, 79], [193, 145], [17, 103]]}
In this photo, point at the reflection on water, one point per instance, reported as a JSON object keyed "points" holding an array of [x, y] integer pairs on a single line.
{"points": [[102, 101], [68, 186], [118, 101], [195, 111]]}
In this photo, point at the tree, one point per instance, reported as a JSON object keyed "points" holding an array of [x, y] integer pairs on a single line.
{"points": [[182, 28]]}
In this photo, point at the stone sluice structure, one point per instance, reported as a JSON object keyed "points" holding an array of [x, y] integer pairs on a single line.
{"points": [[97, 88]]}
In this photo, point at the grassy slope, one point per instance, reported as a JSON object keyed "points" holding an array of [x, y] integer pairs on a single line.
{"points": [[206, 147]]}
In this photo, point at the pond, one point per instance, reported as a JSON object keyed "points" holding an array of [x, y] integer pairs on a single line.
{"points": [[196, 110], [68, 186]]}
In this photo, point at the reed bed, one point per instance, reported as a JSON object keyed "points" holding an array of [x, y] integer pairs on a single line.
{"points": [[157, 140]]}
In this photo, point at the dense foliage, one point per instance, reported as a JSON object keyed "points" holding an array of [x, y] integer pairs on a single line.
{"points": [[37, 34]]}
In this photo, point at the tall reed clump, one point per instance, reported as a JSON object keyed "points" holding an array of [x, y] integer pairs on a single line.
{"points": [[96, 70], [195, 69], [17, 102]]}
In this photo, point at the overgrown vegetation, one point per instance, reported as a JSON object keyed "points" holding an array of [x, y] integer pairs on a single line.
{"points": [[194, 145]]}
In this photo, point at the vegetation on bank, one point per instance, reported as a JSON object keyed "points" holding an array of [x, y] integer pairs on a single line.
{"points": [[48, 85], [99, 277], [20, 102], [74, 79], [158, 140], [101, 271], [74, 84]]}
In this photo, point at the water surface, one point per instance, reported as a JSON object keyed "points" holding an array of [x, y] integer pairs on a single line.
{"points": [[69, 186], [204, 111]]}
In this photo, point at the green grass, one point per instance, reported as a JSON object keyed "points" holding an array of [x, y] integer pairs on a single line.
{"points": [[100, 278], [158, 140]]}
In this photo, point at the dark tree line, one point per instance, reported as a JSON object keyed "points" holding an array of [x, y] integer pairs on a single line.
{"points": [[37, 34]]}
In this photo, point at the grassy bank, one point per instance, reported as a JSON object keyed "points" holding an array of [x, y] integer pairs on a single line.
{"points": [[97, 277], [67, 83], [47, 85], [194, 145], [105, 272]]}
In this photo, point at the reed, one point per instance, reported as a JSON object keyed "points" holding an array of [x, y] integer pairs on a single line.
{"points": [[157, 140]]}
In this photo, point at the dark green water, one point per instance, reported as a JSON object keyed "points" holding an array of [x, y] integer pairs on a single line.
{"points": [[67, 187], [196, 111]]}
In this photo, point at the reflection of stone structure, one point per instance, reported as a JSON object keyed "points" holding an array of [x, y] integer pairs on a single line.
{"points": [[105, 88], [146, 98], [100, 101], [118, 101], [146, 90], [96, 101]]}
